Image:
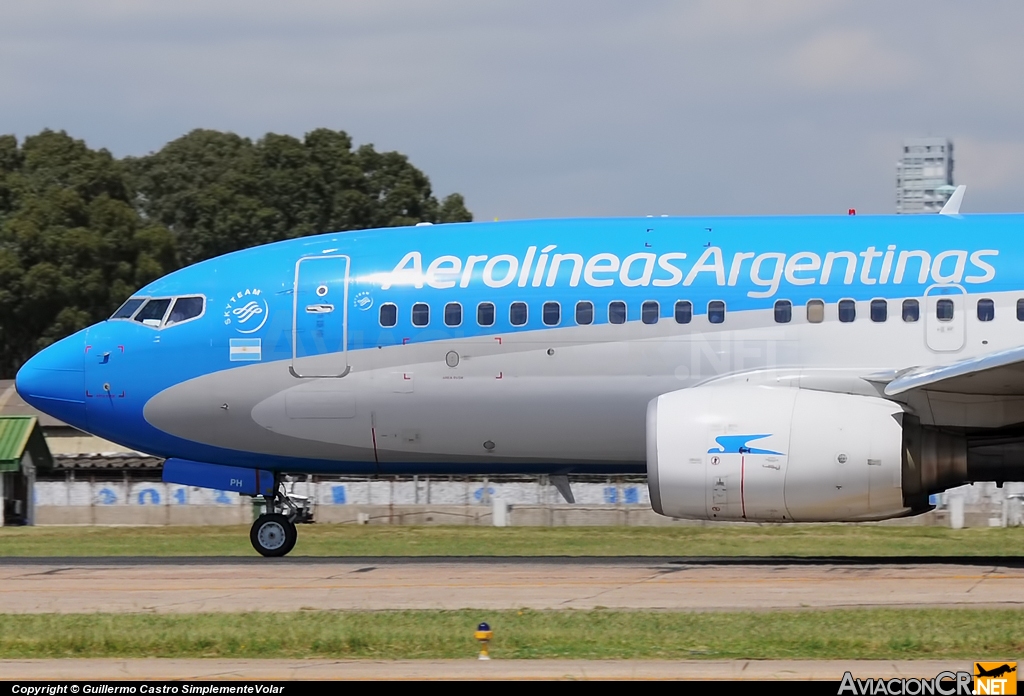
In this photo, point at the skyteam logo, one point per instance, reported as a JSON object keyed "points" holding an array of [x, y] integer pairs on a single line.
{"points": [[247, 311], [739, 444]]}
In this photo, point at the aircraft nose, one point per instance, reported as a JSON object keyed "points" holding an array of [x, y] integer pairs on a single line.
{"points": [[53, 380]]}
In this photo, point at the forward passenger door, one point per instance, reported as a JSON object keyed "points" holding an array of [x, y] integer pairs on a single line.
{"points": [[320, 317]]}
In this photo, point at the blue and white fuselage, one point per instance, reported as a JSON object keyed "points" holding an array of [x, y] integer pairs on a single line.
{"points": [[537, 346], [256, 379]]}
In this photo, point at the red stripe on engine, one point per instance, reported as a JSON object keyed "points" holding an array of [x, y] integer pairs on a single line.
{"points": [[743, 500]]}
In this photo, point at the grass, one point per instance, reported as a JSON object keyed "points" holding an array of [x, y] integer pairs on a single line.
{"points": [[597, 634], [373, 540]]}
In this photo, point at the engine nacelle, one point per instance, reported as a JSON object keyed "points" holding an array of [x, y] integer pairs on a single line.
{"points": [[778, 454]]}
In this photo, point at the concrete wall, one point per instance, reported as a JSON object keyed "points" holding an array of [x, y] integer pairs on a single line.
{"points": [[335, 493], [142, 515], [364, 501], [562, 515], [424, 501]]}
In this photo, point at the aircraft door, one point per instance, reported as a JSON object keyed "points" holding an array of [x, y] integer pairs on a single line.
{"points": [[945, 318], [320, 317]]}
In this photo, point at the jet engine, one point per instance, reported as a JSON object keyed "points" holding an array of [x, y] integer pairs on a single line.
{"points": [[788, 454]]}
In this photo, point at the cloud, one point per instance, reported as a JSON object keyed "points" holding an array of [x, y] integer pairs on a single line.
{"points": [[849, 59], [989, 167], [535, 108]]}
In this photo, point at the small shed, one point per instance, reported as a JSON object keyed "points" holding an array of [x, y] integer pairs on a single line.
{"points": [[23, 452]]}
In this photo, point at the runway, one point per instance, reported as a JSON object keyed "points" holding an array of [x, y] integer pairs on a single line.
{"points": [[168, 585]]}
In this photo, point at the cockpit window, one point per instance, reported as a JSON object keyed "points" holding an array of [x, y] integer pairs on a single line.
{"points": [[185, 308], [126, 310], [153, 313]]}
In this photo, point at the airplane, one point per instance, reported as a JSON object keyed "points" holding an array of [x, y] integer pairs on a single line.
{"points": [[995, 672], [790, 369]]}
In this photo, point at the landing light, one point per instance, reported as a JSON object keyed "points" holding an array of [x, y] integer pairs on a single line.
{"points": [[484, 635]]}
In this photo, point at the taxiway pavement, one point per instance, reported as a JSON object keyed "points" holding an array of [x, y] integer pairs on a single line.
{"points": [[234, 585], [258, 670]]}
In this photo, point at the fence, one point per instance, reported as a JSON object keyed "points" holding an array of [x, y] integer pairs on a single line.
{"points": [[416, 500], [416, 491], [425, 500]]}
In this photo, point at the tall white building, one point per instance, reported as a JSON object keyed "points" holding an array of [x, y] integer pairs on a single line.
{"points": [[924, 177]]}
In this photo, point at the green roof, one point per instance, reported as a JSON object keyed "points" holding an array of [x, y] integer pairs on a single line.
{"points": [[15, 432]]}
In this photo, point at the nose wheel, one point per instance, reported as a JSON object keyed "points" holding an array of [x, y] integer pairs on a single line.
{"points": [[273, 535]]}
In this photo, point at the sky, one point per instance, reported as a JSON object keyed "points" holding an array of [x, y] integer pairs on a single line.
{"points": [[553, 109]]}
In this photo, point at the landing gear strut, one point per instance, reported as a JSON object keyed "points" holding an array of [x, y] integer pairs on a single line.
{"points": [[273, 533]]}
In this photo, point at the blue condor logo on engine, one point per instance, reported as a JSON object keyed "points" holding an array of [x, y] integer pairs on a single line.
{"points": [[766, 270], [739, 444]]}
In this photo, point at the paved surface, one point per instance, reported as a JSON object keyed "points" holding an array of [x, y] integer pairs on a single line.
{"points": [[254, 560], [251, 670], [224, 585]]}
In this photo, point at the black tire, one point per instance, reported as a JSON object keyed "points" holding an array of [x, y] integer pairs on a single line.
{"points": [[273, 535]]}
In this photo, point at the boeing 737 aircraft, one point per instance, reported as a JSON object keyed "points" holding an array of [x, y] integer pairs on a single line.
{"points": [[785, 369]]}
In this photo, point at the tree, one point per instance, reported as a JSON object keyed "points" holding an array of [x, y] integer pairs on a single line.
{"points": [[80, 230], [219, 192], [453, 209], [72, 247]]}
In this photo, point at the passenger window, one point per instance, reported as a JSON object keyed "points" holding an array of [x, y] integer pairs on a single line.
{"points": [[879, 310], [847, 311], [911, 311], [649, 312], [552, 314], [815, 311], [485, 314], [783, 312], [185, 308], [584, 313], [153, 313], [716, 311], [126, 310], [517, 314], [1020, 310], [420, 314], [617, 313], [453, 314], [944, 310], [684, 312], [986, 310], [388, 315]]}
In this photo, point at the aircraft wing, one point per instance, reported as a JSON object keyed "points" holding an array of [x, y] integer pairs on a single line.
{"points": [[998, 374]]}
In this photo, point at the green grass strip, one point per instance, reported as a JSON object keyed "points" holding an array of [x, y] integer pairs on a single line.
{"points": [[597, 634], [352, 540]]}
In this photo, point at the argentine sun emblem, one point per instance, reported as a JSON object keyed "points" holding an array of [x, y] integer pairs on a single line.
{"points": [[247, 311]]}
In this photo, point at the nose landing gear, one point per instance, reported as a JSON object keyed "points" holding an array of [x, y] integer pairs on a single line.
{"points": [[273, 533]]}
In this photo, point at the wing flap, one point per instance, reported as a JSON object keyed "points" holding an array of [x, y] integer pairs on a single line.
{"points": [[997, 374]]}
